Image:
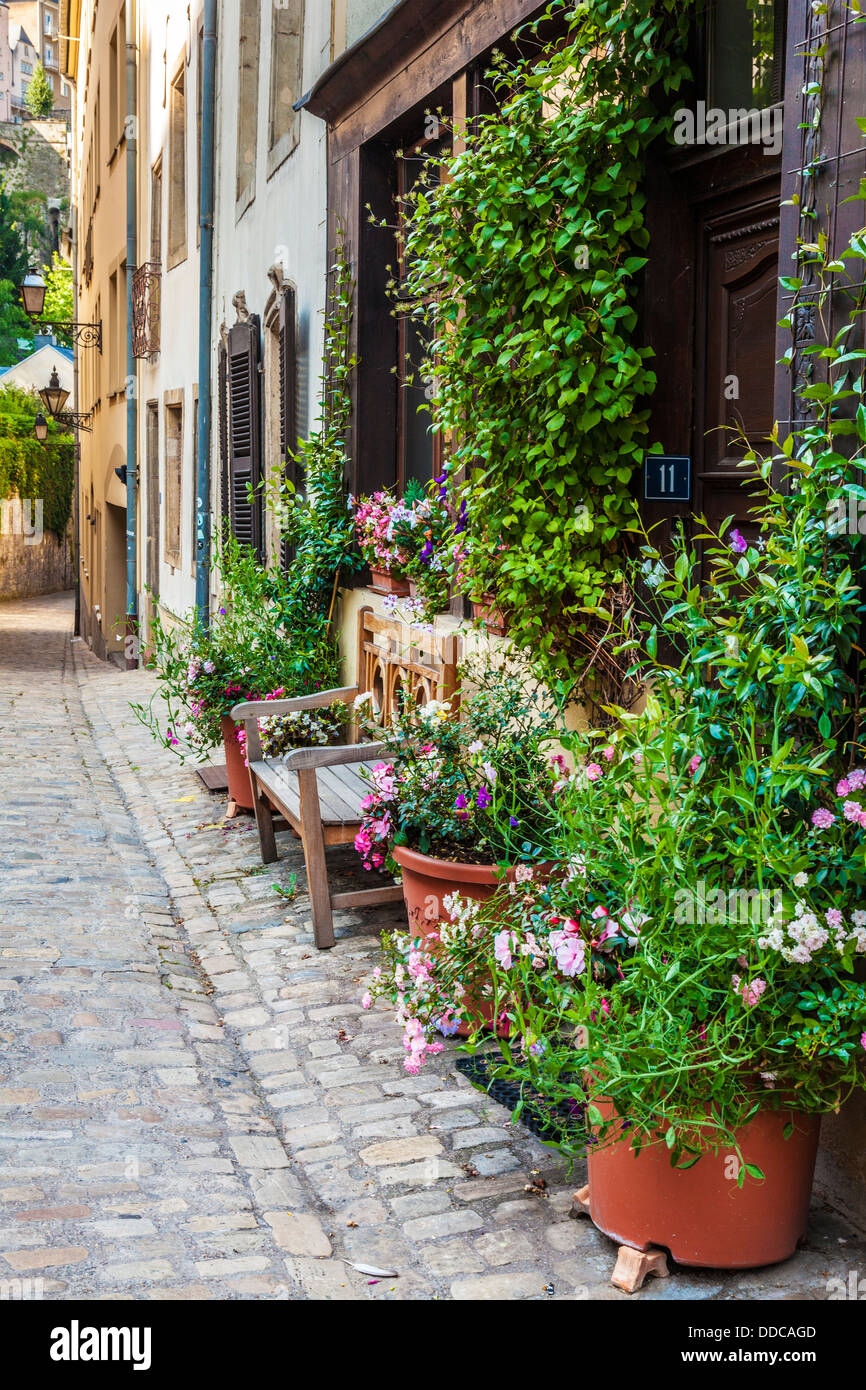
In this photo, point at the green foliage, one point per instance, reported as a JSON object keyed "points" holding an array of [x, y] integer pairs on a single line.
{"points": [[59, 299], [39, 97], [314, 519], [14, 325], [262, 640], [524, 263], [14, 225], [29, 468]]}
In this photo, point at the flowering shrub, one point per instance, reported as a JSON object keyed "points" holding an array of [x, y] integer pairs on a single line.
{"points": [[261, 642], [302, 728], [410, 535], [472, 783]]}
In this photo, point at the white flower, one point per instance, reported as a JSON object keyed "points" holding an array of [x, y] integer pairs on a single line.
{"points": [[362, 699], [859, 917], [801, 879]]}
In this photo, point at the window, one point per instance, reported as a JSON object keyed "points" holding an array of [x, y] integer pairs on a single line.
{"points": [[746, 48], [177, 171], [26, 67], [248, 102], [194, 487], [117, 329], [172, 492], [287, 56], [156, 211], [117, 83], [153, 496]]}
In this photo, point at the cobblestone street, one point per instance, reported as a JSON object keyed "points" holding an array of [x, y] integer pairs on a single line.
{"points": [[194, 1105]]}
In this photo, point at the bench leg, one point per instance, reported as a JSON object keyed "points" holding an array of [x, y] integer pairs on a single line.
{"points": [[313, 837], [265, 825]]}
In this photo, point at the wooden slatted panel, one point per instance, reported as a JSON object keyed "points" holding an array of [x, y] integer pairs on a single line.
{"points": [[245, 462], [340, 790], [223, 417]]}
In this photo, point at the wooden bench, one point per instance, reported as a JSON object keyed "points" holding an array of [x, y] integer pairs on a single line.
{"points": [[319, 790]]}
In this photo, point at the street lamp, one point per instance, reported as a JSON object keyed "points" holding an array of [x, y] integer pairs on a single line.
{"points": [[33, 289], [40, 426], [54, 395]]}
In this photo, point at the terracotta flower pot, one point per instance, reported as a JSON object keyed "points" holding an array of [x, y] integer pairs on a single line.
{"points": [[485, 611], [240, 790], [699, 1213], [384, 582]]}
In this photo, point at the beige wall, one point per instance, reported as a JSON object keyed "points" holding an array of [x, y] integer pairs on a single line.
{"points": [[99, 183]]}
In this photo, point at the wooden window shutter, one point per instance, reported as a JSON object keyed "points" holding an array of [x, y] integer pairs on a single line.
{"points": [[245, 436], [288, 400], [223, 419]]}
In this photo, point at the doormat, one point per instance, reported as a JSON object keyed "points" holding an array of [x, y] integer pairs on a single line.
{"points": [[215, 778], [551, 1123]]}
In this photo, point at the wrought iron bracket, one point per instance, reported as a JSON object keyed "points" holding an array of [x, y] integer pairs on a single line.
{"points": [[84, 334]]}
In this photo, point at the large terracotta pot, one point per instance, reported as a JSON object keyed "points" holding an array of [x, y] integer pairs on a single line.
{"points": [[427, 882], [699, 1213], [240, 790], [384, 582]]}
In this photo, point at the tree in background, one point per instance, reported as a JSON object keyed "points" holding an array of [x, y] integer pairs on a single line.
{"points": [[13, 242], [58, 296], [14, 325], [39, 98]]}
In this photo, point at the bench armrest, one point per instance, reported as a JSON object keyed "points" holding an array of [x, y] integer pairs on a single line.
{"points": [[335, 755], [266, 709]]}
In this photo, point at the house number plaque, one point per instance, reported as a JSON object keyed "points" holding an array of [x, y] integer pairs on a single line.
{"points": [[667, 478]]}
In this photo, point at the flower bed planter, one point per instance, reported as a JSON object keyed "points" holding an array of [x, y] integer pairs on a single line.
{"points": [[384, 582], [699, 1213], [240, 791]]}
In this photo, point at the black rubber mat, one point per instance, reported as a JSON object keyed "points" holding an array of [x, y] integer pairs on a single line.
{"points": [[551, 1123]]}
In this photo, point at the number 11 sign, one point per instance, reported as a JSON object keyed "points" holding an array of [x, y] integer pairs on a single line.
{"points": [[667, 478]]}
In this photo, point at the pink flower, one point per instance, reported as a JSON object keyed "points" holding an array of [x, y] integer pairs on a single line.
{"points": [[363, 842], [695, 763], [607, 753], [750, 990], [569, 951], [503, 945], [852, 810], [822, 819], [367, 1001], [843, 787], [593, 772], [863, 1039], [834, 918], [856, 779]]}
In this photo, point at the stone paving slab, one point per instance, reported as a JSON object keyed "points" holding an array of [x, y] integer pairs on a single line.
{"points": [[193, 1103]]}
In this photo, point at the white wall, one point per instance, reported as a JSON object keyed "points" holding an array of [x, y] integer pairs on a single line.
{"points": [[286, 221]]}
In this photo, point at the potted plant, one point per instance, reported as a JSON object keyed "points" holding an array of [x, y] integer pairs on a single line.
{"points": [[465, 787], [265, 640], [373, 517]]}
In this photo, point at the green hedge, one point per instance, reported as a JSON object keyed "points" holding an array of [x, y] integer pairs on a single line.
{"points": [[30, 469]]}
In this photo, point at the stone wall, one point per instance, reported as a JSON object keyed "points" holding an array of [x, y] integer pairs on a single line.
{"points": [[34, 156], [840, 1176], [30, 566]]}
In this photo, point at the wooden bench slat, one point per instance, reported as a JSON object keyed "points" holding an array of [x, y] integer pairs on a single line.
{"points": [[341, 790]]}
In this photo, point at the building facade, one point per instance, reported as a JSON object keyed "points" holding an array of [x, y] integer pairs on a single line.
{"points": [[36, 34], [99, 181]]}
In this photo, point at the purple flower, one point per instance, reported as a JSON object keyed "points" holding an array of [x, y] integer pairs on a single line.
{"points": [[460, 806], [222, 612], [484, 798], [739, 544], [513, 821]]}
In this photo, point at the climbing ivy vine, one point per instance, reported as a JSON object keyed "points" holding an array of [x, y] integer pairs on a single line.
{"points": [[523, 261]]}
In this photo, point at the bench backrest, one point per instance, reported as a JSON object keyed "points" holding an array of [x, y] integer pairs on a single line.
{"points": [[396, 660]]}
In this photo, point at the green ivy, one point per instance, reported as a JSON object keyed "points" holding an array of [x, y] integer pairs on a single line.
{"points": [[524, 262], [33, 469]]}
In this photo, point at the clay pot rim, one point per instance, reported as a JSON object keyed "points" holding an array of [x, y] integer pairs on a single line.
{"points": [[419, 863]]}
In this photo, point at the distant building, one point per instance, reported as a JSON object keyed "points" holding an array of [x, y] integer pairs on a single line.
{"points": [[5, 65], [34, 371], [34, 36]]}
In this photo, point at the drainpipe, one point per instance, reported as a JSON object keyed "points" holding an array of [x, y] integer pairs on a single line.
{"points": [[131, 648], [77, 547], [206, 220]]}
